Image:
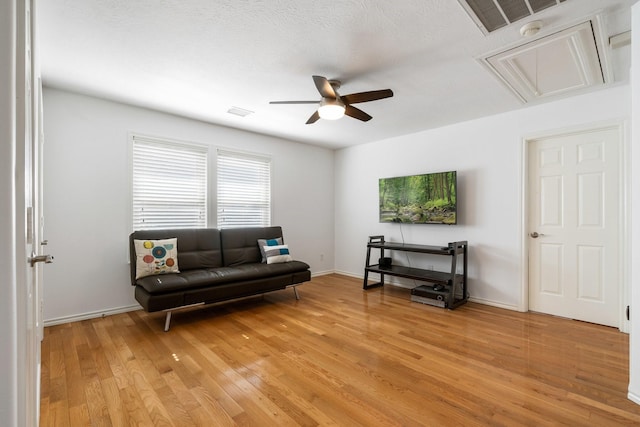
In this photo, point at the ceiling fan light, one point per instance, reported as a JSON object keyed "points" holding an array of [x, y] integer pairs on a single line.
{"points": [[331, 109]]}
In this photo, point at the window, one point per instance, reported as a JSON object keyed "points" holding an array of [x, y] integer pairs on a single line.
{"points": [[169, 184], [244, 190]]}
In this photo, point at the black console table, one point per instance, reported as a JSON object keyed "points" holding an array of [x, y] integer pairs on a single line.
{"points": [[442, 288]]}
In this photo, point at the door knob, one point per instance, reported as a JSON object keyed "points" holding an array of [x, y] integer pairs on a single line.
{"points": [[535, 234], [47, 259]]}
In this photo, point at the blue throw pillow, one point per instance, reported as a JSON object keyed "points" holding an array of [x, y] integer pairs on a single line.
{"points": [[277, 254], [268, 242]]}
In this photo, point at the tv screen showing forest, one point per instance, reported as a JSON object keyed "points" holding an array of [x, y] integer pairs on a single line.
{"points": [[419, 199]]}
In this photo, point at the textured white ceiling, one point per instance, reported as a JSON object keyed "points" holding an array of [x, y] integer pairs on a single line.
{"points": [[198, 58]]}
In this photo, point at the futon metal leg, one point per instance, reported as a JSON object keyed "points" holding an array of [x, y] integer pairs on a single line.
{"points": [[167, 321], [295, 291]]}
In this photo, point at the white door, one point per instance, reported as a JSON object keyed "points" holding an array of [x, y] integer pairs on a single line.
{"points": [[28, 106], [574, 225]]}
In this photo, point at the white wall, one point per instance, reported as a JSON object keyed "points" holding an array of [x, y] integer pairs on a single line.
{"points": [[86, 203], [634, 340], [487, 153]]}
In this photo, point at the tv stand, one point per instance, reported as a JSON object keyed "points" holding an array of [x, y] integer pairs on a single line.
{"points": [[445, 288]]}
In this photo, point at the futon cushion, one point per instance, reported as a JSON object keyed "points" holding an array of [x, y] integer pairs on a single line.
{"points": [[239, 245], [204, 278]]}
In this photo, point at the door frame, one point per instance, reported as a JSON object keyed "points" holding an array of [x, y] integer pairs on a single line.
{"points": [[624, 132]]}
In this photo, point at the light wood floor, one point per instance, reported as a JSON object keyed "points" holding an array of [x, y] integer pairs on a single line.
{"points": [[340, 356]]}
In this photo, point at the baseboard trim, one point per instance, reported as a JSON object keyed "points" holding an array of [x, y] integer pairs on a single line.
{"points": [[90, 315], [634, 397], [119, 310], [494, 304], [346, 273], [322, 273], [408, 284]]}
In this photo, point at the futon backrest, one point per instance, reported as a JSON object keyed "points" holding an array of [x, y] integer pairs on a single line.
{"points": [[240, 245], [197, 247]]}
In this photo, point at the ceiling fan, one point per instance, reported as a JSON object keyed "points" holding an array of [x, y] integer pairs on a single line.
{"points": [[333, 106]]}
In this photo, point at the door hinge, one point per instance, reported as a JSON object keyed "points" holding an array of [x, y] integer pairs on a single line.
{"points": [[628, 313]]}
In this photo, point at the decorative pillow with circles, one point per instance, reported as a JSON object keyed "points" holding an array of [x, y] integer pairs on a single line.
{"points": [[156, 257]]}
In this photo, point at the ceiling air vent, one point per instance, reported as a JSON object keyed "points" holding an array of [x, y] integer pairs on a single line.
{"points": [[490, 15], [556, 65]]}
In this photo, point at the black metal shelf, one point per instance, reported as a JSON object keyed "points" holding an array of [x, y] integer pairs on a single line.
{"points": [[408, 247], [430, 276], [454, 283]]}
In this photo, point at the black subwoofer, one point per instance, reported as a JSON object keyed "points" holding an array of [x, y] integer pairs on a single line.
{"points": [[384, 262]]}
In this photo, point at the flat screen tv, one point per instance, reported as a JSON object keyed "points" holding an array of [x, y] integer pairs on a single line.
{"points": [[429, 198]]}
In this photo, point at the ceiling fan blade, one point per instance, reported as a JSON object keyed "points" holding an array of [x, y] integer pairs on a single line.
{"points": [[356, 113], [373, 95], [293, 102], [314, 118], [324, 87]]}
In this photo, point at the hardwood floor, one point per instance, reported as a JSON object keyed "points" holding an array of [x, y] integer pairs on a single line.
{"points": [[340, 356]]}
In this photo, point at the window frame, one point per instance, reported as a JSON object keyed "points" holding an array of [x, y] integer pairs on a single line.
{"points": [[265, 159], [189, 147]]}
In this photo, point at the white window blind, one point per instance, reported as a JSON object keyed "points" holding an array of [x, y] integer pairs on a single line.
{"points": [[244, 190], [169, 184]]}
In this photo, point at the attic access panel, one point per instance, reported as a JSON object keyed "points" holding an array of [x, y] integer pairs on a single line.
{"points": [[491, 15], [551, 66]]}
